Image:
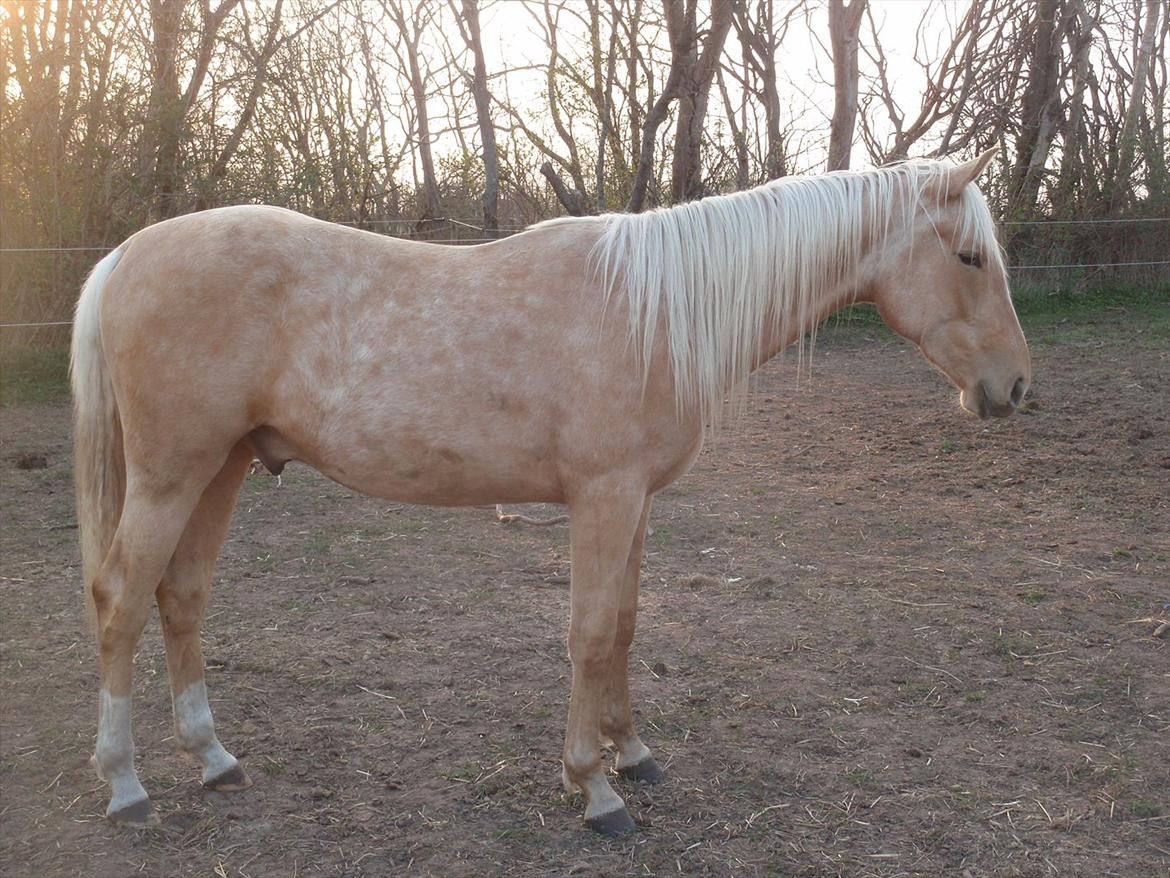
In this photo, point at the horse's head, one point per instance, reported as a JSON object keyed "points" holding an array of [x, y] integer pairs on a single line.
{"points": [[941, 283]]}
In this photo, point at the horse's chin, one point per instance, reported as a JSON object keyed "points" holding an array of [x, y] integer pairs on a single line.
{"points": [[976, 402]]}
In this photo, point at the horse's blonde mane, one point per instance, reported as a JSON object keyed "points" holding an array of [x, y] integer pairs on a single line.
{"points": [[725, 272]]}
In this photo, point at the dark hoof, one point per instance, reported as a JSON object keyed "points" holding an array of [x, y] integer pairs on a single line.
{"points": [[136, 815], [235, 778], [646, 771], [613, 824]]}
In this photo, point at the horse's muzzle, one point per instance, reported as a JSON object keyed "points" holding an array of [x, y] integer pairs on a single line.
{"points": [[980, 402]]}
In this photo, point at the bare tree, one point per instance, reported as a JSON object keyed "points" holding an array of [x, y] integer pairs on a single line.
{"points": [[1039, 105], [844, 27], [698, 74], [958, 85], [261, 57], [692, 71], [760, 36], [469, 29], [409, 50], [170, 103], [1143, 60]]}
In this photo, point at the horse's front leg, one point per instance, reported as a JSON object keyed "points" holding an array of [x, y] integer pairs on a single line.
{"points": [[603, 523], [634, 760]]}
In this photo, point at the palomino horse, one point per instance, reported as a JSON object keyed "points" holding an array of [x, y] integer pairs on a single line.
{"points": [[576, 363]]}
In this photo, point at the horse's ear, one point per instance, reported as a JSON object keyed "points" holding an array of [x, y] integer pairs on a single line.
{"points": [[957, 178]]}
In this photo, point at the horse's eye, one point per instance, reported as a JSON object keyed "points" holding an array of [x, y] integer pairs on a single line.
{"points": [[972, 259]]}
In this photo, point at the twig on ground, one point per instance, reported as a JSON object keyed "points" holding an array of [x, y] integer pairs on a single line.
{"points": [[515, 517]]}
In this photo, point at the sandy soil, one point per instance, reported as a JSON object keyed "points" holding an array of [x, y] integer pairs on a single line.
{"points": [[877, 638]]}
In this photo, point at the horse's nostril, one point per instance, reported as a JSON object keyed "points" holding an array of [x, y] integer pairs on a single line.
{"points": [[1018, 391]]}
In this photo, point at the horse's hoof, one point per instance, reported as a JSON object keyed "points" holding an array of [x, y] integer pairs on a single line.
{"points": [[235, 778], [136, 815], [646, 771], [611, 825]]}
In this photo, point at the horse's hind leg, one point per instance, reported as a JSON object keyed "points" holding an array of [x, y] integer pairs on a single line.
{"points": [[182, 598], [617, 722], [153, 518]]}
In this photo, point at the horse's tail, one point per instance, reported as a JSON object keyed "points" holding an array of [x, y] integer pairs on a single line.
{"points": [[99, 461]]}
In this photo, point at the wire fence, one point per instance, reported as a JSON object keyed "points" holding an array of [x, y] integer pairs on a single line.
{"points": [[1032, 240]]}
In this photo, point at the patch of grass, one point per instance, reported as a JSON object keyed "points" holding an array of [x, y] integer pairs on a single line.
{"points": [[1032, 597], [1125, 768], [663, 535], [297, 605], [1060, 315], [974, 697], [463, 773], [1009, 646], [1141, 808], [318, 544], [744, 529], [862, 777], [1122, 553], [946, 446], [479, 595], [963, 800], [33, 375]]}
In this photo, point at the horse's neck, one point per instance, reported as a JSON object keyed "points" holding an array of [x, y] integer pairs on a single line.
{"points": [[785, 330]]}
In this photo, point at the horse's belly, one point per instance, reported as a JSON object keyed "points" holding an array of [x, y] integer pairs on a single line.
{"points": [[448, 486], [439, 474]]}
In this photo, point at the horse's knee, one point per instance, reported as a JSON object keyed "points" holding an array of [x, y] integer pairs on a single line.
{"points": [[181, 612], [592, 652], [624, 635]]}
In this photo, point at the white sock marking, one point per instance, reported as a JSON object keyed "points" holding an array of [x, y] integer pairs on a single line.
{"points": [[114, 753], [195, 731]]}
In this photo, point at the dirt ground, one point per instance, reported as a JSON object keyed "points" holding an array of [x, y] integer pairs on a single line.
{"points": [[877, 638]]}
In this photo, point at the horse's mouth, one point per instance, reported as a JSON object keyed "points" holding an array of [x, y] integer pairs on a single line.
{"points": [[979, 404]]}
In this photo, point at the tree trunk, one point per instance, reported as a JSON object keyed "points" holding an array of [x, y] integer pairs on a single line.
{"points": [[689, 80], [844, 26], [487, 132], [168, 107], [571, 199], [1073, 146], [686, 182], [429, 224], [165, 112], [1038, 109], [247, 112], [1127, 140]]}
